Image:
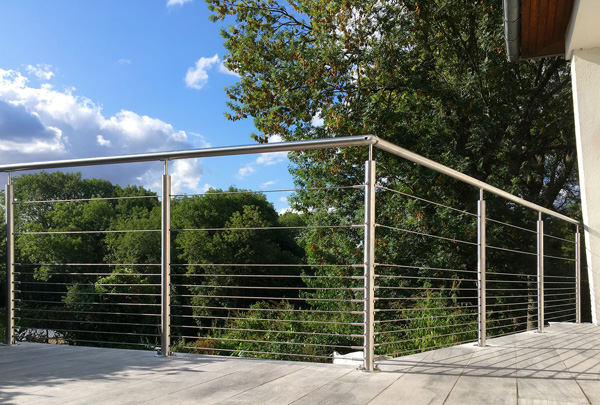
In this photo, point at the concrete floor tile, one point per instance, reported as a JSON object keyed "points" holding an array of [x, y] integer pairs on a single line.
{"points": [[551, 389], [290, 387], [416, 389], [483, 390], [352, 388]]}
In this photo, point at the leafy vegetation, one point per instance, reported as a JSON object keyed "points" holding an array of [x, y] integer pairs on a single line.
{"points": [[432, 77]]}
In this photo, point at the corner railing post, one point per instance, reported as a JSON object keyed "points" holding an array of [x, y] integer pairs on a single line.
{"points": [[369, 266], [577, 276], [481, 269], [540, 272], [165, 349], [10, 263]]}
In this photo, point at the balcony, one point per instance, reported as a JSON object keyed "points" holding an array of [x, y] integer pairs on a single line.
{"points": [[439, 298]]}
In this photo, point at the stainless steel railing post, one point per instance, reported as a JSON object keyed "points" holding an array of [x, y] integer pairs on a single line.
{"points": [[369, 267], [577, 276], [165, 349], [481, 269], [540, 272], [10, 262]]}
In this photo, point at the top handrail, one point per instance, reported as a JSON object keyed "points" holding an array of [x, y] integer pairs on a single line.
{"points": [[440, 168], [358, 140]]}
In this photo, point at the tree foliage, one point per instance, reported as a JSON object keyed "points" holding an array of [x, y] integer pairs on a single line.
{"points": [[430, 76]]}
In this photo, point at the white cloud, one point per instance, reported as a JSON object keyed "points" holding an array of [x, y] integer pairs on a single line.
{"points": [[267, 184], [124, 62], [197, 76], [186, 175], [102, 142], [269, 159], [246, 171], [41, 70], [201, 140], [171, 3], [264, 159], [43, 123]]}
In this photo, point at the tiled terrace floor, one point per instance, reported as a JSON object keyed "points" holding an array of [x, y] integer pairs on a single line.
{"points": [[561, 366]]}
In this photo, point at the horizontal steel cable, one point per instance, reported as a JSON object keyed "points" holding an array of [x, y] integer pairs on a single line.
{"points": [[270, 309], [246, 351], [103, 333], [84, 312], [422, 268], [563, 310], [562, 277], [522, 310], [87, 264], [509, 274], [422, 288], [245, 287], [268, 276], [425, 234], [508, 326], [87, 303], [234, 318], [269, 298], [105, 342], [510, 225], [86, 199], [570, 304], [18, 273], [266, 331], [430, 348], [435, 336], [378, 276], [262, 265], [511, 250], [424, 200], [427, 328], [86, 293], [568, 259], [88, 284], [557, 238], [88, 322], [421, 298], [512, 303], [279, 342], [84, 232], [270, 228], [423, 309], [355, 187]]}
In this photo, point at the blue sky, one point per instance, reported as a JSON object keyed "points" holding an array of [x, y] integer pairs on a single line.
{"points": [[110, 77]]}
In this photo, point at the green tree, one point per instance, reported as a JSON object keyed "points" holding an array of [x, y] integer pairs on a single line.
{"points": [[430, 76], [229, 245]]}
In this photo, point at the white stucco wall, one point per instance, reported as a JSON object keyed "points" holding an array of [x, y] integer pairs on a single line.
{"points": [[583, 31], [585, 71]]}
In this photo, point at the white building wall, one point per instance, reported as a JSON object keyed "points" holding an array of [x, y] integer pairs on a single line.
{"points": [[585, 70]]}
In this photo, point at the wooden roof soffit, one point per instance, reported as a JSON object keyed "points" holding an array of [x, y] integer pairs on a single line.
{"points": [[535, 28]]}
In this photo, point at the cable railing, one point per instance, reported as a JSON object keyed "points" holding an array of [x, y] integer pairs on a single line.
{"points": [[370, 269]]}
